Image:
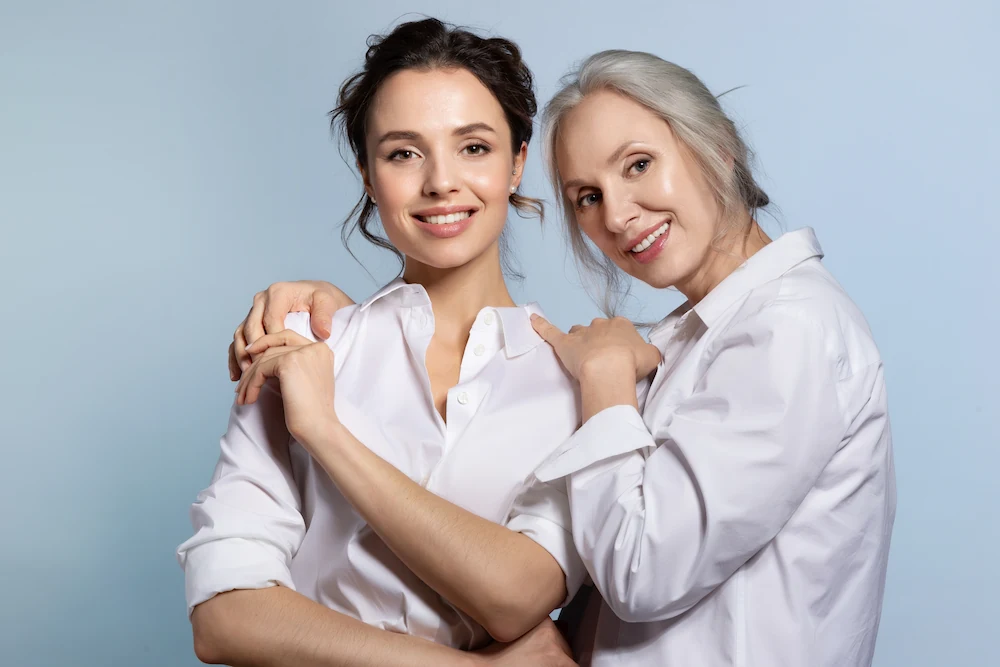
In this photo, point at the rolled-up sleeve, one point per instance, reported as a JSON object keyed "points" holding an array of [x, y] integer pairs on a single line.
{"points": [[248, 522], [541, 512], [663, 513]]}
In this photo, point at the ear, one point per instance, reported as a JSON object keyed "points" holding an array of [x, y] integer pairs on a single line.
{"points": [[369, 190], [519, 160]]}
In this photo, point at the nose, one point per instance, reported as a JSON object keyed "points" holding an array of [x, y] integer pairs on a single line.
{"points": [[619, 211], [442, 177]]}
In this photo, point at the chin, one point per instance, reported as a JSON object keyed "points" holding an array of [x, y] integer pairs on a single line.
{"points": [[448, 258]]}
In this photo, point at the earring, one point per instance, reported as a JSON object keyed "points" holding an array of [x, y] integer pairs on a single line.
{"points": [[513, 189], [374, 203]]}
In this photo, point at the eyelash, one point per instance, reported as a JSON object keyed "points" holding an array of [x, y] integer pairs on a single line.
{"points": [[397, 156], [484, 149], [647, 160], [580, 202]]}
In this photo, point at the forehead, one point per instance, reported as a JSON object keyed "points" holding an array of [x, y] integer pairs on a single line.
{"points": [[425, 100], [591, 131]]}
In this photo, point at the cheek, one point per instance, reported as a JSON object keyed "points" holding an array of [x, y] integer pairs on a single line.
{"points": [[489, 179]]}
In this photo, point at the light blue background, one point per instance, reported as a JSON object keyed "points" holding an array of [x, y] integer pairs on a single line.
{"points": [[160, 162]]}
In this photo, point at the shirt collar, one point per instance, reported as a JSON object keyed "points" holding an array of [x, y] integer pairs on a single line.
{"points": [[409, 295], [519, 336], [770, 262]]}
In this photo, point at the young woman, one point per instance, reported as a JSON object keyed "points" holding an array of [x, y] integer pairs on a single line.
{"points": [[375, 505], [737, 509]]}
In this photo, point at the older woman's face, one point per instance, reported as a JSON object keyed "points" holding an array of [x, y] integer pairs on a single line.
{"points": [[636, 192]]}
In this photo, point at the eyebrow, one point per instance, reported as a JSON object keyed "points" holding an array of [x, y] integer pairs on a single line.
{"points": [[409, 135], [615, 156]]}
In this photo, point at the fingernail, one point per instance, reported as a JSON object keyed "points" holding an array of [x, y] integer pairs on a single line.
{"points": [[248, 347]]}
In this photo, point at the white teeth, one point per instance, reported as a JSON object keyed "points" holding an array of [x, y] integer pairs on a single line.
{"points": [[449, 219], [648, 241]]}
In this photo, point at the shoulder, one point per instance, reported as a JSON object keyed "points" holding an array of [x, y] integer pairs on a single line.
{"points": [[806, 311]]}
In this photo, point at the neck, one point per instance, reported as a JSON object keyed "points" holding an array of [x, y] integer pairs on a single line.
{"points": [[736, 248], [458, 294]]}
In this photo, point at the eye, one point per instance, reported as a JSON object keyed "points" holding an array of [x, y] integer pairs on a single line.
{"points": [[401, 155], [588, 200], [477, 149], [639, 166]]}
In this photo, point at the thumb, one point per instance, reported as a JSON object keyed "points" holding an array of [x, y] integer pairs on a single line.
{"points": [[321, 317], [549, 332]]}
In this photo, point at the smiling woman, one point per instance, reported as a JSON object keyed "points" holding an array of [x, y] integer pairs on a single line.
{"points": [[388, 521]]}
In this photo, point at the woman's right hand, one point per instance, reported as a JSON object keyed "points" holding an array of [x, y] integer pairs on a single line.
{"points": [[270, 307], [544, 646]]}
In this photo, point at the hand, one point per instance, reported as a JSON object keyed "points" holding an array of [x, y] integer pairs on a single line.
{"points": [[305, 372], [320, 299], [605, 343], [543, 646]]}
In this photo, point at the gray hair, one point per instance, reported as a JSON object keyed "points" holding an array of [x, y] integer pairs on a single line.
{"points": [[694, 115]]}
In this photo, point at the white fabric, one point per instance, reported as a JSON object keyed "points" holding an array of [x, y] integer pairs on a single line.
{"points": [[273, 516], [743, 520]]}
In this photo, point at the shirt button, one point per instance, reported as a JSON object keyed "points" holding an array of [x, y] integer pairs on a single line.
{"points": [[489, 318], [463, 398], [479, 350]]}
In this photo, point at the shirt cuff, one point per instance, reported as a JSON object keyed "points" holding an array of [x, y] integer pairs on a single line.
{"points": [[231, 564], [558, 541], [612, 431]]}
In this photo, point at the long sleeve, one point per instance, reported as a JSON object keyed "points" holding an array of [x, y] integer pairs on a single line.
{"points": [[665, 512], [248, 523]]}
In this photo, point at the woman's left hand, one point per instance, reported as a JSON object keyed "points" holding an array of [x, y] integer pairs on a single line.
{"points": [[305, 372], [604, 345]]}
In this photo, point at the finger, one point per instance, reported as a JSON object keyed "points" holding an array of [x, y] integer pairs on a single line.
{"points": [[263, 369], [323, 308], [234, 366], [240, 349], [575, 328], [549, 333], [253, 325], [280, 339], [281, 300]]}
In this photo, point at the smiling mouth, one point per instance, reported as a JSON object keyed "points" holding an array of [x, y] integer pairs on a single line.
{"points": [[449, 219], [649, 240]]}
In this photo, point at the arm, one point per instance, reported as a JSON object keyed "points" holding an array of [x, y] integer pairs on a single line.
{"points": [[508, 580], [662, 521], [503, 579], [277, 627]]}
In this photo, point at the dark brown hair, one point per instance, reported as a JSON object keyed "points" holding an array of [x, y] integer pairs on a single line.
{"points": [[425, 45]]}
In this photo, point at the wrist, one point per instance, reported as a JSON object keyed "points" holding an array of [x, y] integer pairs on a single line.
{"points": [[612, 365]]}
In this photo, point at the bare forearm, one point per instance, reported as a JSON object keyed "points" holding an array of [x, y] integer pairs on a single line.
{"points": [[277, 627], [504, 580]]}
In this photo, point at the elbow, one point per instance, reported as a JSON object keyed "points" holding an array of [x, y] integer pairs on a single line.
{"points": [[511, 617], [647, 606], [210, 634]]}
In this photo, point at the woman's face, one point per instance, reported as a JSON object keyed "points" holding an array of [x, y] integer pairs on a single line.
{"points": [[440, 165], [637, 193]]}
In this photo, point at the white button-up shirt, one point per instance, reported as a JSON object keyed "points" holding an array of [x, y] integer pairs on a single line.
{"points": [[743, 519], [273, 516]]}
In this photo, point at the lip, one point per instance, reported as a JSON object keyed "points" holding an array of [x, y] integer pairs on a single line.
{"points": [[639, 237], [654, 250], [449, 230]]}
